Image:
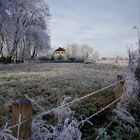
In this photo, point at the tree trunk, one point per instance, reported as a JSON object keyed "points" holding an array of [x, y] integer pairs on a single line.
{"points": [[27, 49], [34, 54], [15, 44], [1, 51]]}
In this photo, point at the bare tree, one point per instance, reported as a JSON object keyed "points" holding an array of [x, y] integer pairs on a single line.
{"points": [[81, 51]]}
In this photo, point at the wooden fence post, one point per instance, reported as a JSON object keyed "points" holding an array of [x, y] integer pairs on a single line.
{"points": [[119, 86], [22, 109], [119, 78]]}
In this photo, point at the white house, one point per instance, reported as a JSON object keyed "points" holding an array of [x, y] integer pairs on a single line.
{"points": [[60, 53]]}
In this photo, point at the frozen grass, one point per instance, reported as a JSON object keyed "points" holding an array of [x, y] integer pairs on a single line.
{"points": [[47, 83]]}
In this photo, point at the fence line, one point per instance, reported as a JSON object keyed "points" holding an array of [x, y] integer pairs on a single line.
{"points": [[78, 99], [95, 92], [83, 121], [69, 103], [95, 114]]}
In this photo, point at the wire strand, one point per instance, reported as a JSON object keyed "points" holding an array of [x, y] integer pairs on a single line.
{"points": [[95, 114], [78, 99], [72, 102]]}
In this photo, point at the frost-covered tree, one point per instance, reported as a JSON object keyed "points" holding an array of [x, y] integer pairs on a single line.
{"points": [[5, 22], [27, 21], [81, 51], [134, 59]]}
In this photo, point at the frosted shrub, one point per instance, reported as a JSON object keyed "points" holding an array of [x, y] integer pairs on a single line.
{"points": [[130, 90], [6, 135], [102, 134], [129, 95], [70, 131], [65, 129], [124, 115], [62, 131], [41, 131], [64, 112]]}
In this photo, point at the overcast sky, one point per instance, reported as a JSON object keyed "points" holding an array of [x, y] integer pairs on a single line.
{"points": [[106, 25]]}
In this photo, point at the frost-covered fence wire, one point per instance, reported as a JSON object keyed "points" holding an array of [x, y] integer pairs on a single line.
{"points": [[67, 104], [78, 99], [69, 128], [33, 101], [95, 114]]}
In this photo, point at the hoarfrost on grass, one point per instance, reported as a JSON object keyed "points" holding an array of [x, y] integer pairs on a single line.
{"points": [[65, 129], [5, 134]]}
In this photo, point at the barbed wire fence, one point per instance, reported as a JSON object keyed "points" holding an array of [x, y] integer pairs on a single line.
{"points": [[76, 100], [5, 133]]}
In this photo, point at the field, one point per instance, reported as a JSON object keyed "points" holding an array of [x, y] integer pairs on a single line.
{"points": [[49, 83]]}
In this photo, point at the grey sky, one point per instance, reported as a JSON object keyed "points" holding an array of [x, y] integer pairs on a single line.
{"points": [[104, 24]]}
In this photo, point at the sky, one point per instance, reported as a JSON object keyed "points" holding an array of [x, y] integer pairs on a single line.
{"points": [[106, 25]]}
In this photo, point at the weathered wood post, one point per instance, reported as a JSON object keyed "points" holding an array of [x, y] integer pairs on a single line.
{"points": [[119, 78], [119, 86], [119, 89], [22, 110]]}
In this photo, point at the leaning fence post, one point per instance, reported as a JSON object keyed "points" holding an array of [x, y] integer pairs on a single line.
{"points": [[22, 109]]}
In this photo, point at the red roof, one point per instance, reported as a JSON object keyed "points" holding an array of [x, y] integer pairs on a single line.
{"points": [[60, 49]]}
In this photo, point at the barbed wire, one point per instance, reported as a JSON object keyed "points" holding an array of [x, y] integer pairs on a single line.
{"points": [[33, 101], [82, 122], [69, 103], [95, 114], [78, 99]]}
